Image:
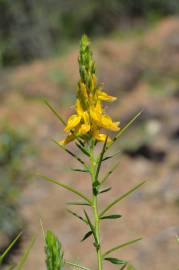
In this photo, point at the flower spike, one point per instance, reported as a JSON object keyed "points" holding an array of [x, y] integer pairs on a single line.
{"points": [[89, 118]]}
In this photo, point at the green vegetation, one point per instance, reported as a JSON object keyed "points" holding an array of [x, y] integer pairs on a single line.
{"points": [[20, 264], [14, 151]]}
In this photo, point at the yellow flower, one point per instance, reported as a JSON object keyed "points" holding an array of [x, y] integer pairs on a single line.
{"points": [[104, 96], [72, 122], [101, 137], [102, 120], [68, 139], [106, 122], [90, 117]]}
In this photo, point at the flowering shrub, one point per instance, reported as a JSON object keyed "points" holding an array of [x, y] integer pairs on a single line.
{"points": [[84, 128]]}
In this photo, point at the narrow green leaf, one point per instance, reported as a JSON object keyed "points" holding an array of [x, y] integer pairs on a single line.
{"points": [[80, 170], [121, 131], [81, 142], [91, 227], [78, 203], [66, 187], [101, 158], [83, 149], [109, 173], [111, 156], [24, 257], [105, 190], [9, 247], [70, 152], [88, 234], [55, 112], [121, 246], [77, 216], [111, 217], [123, 267], [115, 260], [121, 198], [76, 265]]}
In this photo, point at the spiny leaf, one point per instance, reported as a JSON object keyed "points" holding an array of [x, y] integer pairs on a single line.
{"points": [[81, 142], [79, 170], [121, 131], [88, 234], [111, 156], [121, 246], [115, 260], [83, 149], [24, 257], [78, 216], [91, 227], [123, 267], [9, 247], [55, 112], [101, 158], [78, 203], [70, 152], [121, 198], [105, 190], [111, 217], [66, 187], [109, 173]]}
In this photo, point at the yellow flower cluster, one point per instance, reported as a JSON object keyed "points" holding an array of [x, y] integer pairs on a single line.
{"points": [[90, 117]]}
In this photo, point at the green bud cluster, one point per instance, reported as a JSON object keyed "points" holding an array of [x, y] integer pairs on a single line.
{"points": [[86, 62]]}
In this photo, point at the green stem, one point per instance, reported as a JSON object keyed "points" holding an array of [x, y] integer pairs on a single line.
{"points": [[97, 231], [95, 209]]}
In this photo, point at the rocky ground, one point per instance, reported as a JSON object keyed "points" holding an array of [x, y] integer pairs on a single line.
{"points": [[142, 70]]}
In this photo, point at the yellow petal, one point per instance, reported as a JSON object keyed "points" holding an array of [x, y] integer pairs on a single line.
{"points": [[79, 108], [84, 128], [95, 115], [86, 117], [68, 139], [101, 137], [98, 107], [96, 112], [106, 122], [105, 97], [72, 122]]}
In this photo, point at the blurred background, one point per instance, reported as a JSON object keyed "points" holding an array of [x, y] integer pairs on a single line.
{"points": [[136, 47]]}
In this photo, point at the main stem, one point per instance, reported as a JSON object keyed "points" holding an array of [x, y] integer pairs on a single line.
{"points": [[95, 211], [97, 230]]}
